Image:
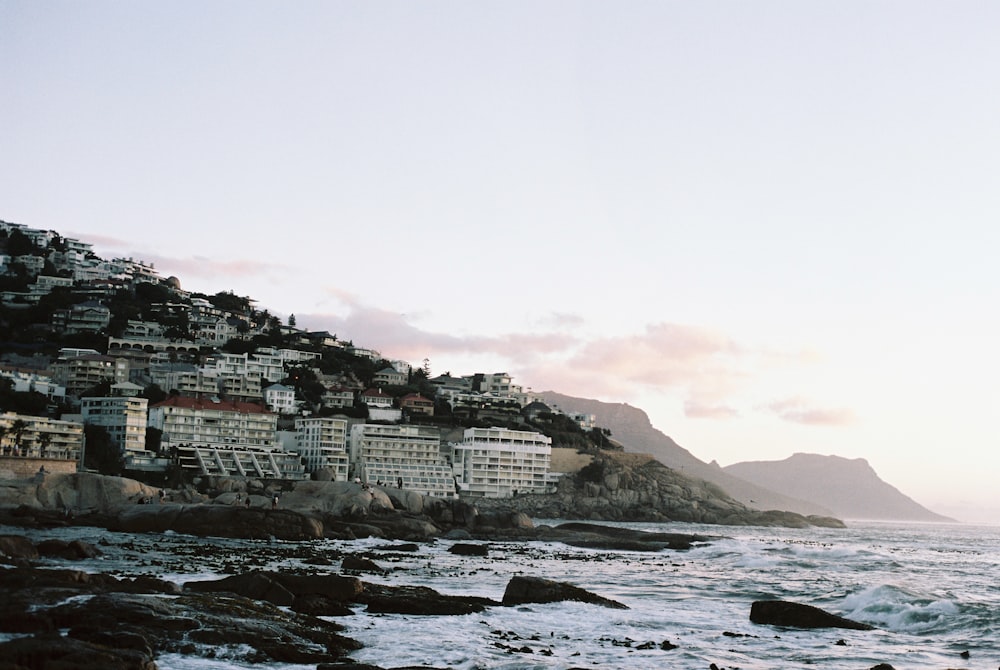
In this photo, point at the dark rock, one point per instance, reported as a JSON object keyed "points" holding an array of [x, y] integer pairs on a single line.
{"points": [[403, 546], [385, 599], [462, 549], [317, 605], [522, 590], [17, 547], [360, 564], [55, 652], [797, 615], [74, 550], [882, 666], [219, 521], [281, 589]]}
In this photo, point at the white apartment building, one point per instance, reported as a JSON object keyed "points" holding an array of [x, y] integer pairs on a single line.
{"points": [[41, 437], [322, 443], [224, 438], [25, 382], [500, 462], [123, 418], [213, 421], [410, 455], [280, 399]]}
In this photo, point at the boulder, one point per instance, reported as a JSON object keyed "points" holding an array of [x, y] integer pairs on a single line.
{"points": [[384, 599], [220, 521], [465, 549], [521, 590], [74, 550], [17, 547], [797, 615], [282, 589], [360, 564]]}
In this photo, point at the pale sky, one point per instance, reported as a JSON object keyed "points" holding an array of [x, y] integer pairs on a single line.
{"points": [[770, 225]]}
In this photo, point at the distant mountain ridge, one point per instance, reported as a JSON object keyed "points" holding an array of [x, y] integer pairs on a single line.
{"points": [[849, 487], [824, 485]]}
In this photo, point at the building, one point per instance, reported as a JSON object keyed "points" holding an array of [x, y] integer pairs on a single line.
{"points": [[123, 417], [30, 381], [407, 455], [389, 376], [231, 438], [500, 463], [40, 437], [414, 403], [213, 422], [338, 396], [322, 443], [81, 373], [281, 399]]}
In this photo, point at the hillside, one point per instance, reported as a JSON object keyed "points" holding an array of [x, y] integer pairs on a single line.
{"points": [[631, 428], [848, 487]]}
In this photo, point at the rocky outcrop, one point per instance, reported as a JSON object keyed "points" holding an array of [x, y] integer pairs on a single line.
{"points": [[637, 487], [219, 520], [521, 590], [797, 615]]}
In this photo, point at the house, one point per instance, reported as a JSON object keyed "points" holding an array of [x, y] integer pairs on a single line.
{"points": [[376, 397], [414, 403], [389, 376], [281, 399]]}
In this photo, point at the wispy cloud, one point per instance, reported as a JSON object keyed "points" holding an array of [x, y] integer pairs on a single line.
{"points": [[706, 370], [798, 410]]}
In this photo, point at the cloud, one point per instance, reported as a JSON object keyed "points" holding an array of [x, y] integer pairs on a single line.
{"points": [[797, 410], [561, 320], [105, 241], [695, 410], [706, 370]]}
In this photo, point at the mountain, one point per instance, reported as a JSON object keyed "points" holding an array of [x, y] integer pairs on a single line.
{"points": [[631, 428], [849, 487]]}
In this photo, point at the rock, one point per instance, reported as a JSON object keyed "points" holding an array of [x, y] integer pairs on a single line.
{"points": [[318, 605], [797, 615], [219, 520], [521, 590], [282, 589], [74, 550], [64, 653], [17, 547], [462, 549], [384, 599], [360, 564]]}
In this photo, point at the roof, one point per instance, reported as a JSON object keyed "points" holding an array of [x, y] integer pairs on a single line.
{"points": [[213, 404]]}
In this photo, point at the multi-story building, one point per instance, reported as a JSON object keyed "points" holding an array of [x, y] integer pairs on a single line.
{"points": [[322, 443], [83, 372], [401, 455], [280, 399], [86, 317], [40, 437], [500, 463], [26, 381], [212, 421], [338, 396], [124, 418], [389, 376], [232, 438]]}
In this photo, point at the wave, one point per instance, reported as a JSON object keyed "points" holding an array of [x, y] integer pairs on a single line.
{"points": [[900, 610]]}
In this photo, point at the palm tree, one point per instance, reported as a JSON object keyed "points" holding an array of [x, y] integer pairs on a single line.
{"points": [[18, 428]]}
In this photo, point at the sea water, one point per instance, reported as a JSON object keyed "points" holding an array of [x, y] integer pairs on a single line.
{"points": [[931, 591]]}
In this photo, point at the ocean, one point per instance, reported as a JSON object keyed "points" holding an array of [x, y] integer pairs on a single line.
{"points": [[931, 591]]}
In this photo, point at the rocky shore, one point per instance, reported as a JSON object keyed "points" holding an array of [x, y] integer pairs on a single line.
{"points": [[285, 616]]}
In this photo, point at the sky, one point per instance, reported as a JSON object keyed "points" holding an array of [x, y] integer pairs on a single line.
{"points": [[771, 225]]}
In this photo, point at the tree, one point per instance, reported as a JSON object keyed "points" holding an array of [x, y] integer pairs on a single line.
{"points": [[18, 428], [100, 452]]}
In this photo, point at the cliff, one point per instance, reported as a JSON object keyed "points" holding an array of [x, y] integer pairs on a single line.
{"points": [[849, 487], [631, 428]]}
